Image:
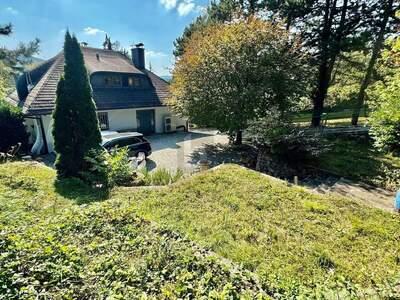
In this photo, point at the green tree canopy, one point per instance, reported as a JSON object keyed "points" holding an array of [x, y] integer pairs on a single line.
{"points": [[385, 118], [11, 58], [12, 128], [231, 74], [76, 129]]}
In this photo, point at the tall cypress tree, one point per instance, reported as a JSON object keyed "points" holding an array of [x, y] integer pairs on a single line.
{"points": [[76, 128]]}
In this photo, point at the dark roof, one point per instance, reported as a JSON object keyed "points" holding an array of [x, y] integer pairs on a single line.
{"points": [[45, 77]]}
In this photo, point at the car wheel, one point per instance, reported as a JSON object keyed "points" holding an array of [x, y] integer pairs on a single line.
{"points": [[141, 156]]}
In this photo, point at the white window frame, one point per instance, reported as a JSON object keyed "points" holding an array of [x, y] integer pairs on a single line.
{"points": [[103, 120]]}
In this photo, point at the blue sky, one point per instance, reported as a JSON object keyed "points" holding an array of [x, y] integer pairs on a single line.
{"points": [[156, 23]]}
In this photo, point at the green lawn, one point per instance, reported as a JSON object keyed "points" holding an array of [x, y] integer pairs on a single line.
{"points": [[296, 242], [334, 118], [358, 160]]}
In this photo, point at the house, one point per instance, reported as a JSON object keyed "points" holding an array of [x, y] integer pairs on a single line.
{"points": [[128, 97]]}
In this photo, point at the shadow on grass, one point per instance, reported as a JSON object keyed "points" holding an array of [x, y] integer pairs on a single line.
{"points": [[81, 193], [352, 158]]}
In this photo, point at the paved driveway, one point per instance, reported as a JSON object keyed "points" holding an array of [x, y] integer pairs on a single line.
{"points": [[182, 150]]}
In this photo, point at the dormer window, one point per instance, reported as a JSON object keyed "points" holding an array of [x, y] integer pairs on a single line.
{"points": [[133, 81], [112, 81]]}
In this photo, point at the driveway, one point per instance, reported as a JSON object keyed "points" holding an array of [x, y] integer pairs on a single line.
{"points": [[183, 150]]}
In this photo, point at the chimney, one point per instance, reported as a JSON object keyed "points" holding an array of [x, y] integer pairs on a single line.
{"points": [[22, 86], [138, 56]]}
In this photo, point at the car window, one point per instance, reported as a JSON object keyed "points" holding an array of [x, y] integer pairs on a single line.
{"points": [[120, 143], [137, 140], [128, 141], [111, 144]]}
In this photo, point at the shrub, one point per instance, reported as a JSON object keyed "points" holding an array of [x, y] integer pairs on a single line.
{"points": [[160, 177], [121, 170], [109, 169], [385, 119], [12, 128], [277, 135]]}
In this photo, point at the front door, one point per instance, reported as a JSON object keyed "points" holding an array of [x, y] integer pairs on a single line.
{"points": [[145, 121]]}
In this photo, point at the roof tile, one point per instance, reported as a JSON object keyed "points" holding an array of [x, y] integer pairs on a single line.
{"points": [[41, 99]]}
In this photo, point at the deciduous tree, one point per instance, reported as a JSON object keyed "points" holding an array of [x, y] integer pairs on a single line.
{"points": [[10, 58], [230, 74], [218, 12], [385, 118], [387, 11]]}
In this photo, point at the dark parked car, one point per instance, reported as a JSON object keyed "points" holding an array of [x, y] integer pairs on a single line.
{"points": [[135, 142]]}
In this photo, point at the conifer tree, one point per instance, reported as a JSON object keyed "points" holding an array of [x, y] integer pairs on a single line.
{"points": [[76, 128]]}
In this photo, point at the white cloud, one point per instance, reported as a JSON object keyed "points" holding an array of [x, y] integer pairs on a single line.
{"points": [[92, 31], [186, 7], [153, 54], [11, 10], [168, 4]]}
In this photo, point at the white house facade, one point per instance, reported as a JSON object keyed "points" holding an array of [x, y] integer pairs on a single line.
{"points": [[128, 97]]}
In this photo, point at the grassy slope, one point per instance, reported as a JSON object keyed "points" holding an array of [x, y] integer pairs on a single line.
{"points": [[358, 160], [289, 237], [52, 248]]}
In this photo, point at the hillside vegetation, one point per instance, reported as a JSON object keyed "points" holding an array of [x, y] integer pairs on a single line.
{"points": [[292, 239], [52, 248], [61, 240]]}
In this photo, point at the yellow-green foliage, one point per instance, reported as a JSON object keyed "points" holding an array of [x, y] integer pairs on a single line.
{"points": [[230, 74], [52, 248], [293, 239], [298, 243]]}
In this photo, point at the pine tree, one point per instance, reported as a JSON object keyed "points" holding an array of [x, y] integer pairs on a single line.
{"points": [[76, 128]]}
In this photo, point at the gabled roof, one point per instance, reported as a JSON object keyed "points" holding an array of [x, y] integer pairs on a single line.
{"points": [[41, 99]]}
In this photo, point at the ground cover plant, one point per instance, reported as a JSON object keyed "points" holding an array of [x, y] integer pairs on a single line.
{"points": [[297, 242], [58, 240], [52, 248]]}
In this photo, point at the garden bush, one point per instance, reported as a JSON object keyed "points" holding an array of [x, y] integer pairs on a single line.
{"points": [[385, 119], [12, 128], [160, 176], [109, 169], [276, 134]]}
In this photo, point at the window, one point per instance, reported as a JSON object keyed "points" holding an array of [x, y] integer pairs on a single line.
{"points": [[133, 81], [112, 81], [103, 120]]}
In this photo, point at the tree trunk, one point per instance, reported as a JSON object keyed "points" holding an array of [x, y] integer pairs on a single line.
{"points": [[328, 57], [239, 138], [374, 57], [288, 22], [319, 94]]}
